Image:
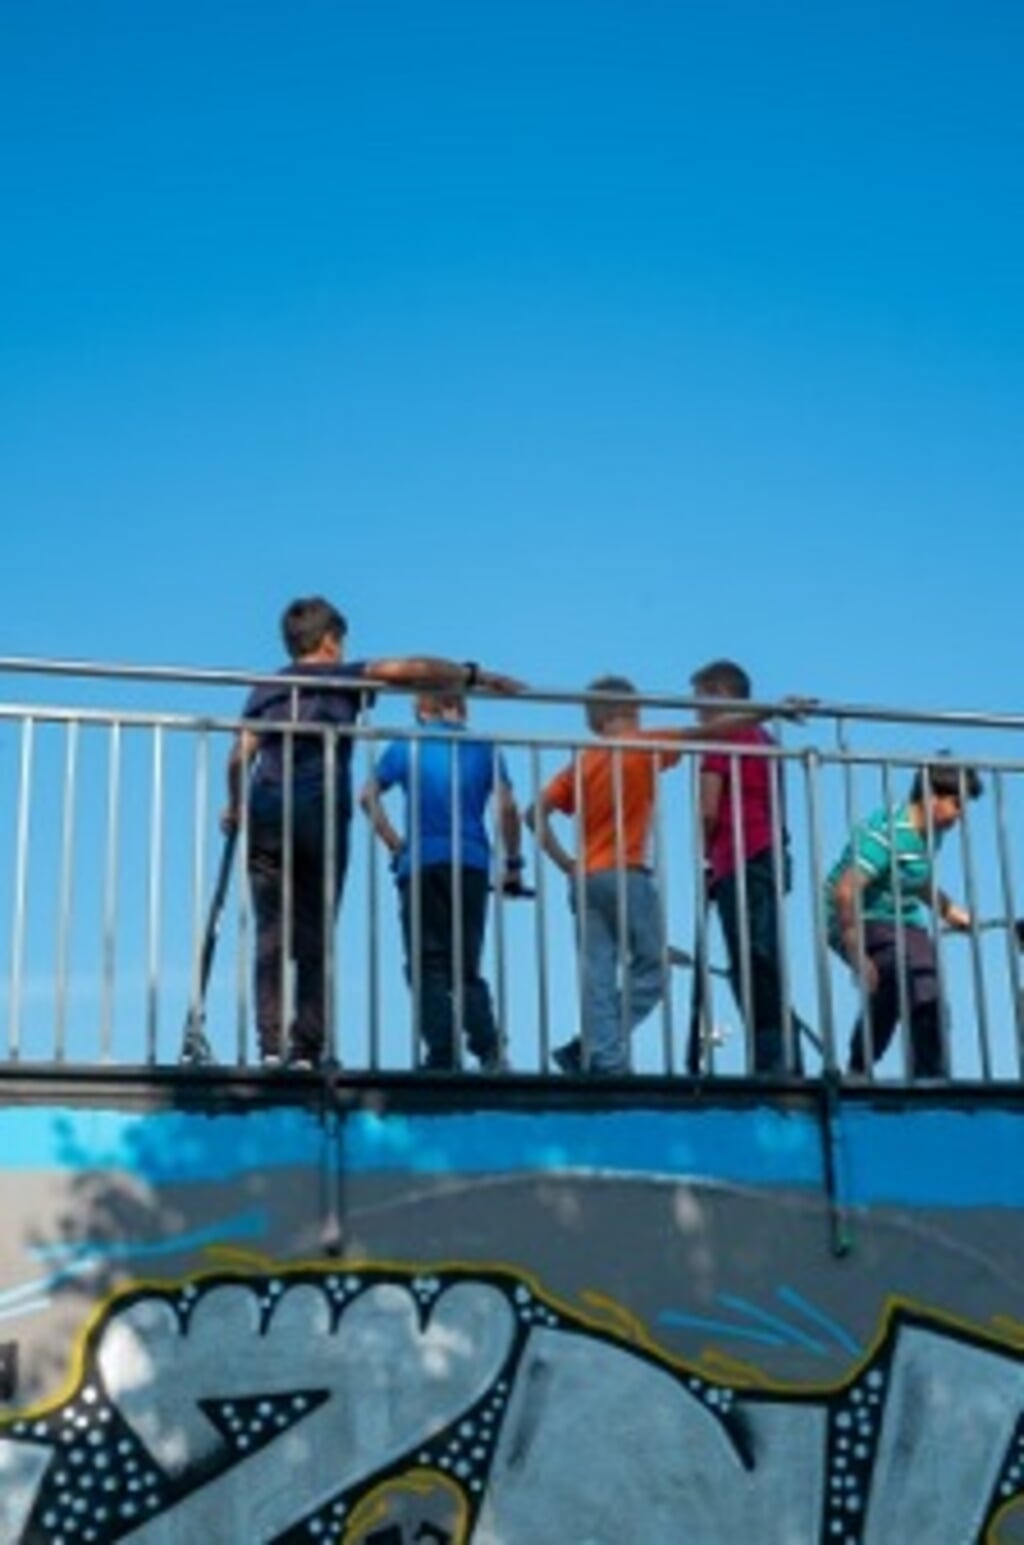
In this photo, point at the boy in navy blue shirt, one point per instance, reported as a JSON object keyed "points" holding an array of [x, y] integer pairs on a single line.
{"points": [[443, 869], [300, 807]]}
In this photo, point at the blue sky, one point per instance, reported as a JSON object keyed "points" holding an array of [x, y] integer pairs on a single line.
{"points": [[570, 335]]}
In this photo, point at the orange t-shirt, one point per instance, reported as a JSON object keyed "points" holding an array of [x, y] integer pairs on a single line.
{"points": [[615, 786]]}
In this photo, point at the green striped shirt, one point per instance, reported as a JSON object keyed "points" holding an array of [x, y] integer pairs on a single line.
{"points": [[895, 861]]}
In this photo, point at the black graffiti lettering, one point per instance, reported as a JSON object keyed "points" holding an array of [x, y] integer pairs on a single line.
{"points": [[198, 1441], [8, 1370]]}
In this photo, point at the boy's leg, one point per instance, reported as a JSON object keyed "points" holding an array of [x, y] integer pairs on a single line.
{"points": [[602, 1005], [646, 953], [315, 900], [437, 1023], [769, 1007], [266, 882], [478, 1010], [927, 1052], [766, 1045], [883, 1003]]}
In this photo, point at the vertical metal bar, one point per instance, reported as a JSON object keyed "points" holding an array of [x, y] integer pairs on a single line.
{"points": [[977, 969], [791, 1051], [812, 776], [19, 921], [110, 895], [896, 881], [154, 893], [244, 929], [200, 802], [67, 877], [373, 930], [458, 996], [1009, 911], [702, 987], [852, 822], [622, 918], [498, 780], [287, 999], [329, 748], [579, 886], [668, 1060], [415, 899], [540, 924], [739, 849], [932, 843]]}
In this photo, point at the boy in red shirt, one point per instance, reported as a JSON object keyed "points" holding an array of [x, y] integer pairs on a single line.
{"points": [[742, 814]]}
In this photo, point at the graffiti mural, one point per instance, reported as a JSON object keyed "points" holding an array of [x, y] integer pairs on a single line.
{"points": [[382, 1406]]}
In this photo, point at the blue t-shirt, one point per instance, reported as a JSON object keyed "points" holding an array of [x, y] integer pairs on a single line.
{"points": [[333, 697], [423, 770]]}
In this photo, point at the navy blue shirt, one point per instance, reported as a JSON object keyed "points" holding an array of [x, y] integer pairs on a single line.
{"points": [[333, 697]]}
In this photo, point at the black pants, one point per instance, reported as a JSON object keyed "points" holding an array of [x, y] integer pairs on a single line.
{"points": [[435, 887], [315, 898], [760, 925], [921, 987]]}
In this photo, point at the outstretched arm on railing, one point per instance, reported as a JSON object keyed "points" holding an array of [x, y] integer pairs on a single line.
{"points": [[425, 671]]}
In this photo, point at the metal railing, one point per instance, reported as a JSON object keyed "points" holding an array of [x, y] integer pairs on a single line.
{"points": [[111, 849]]}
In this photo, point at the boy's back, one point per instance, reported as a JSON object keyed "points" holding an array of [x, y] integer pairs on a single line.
{"points": [[613, 788]]}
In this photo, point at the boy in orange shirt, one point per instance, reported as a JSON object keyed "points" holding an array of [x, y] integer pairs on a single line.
{"points": [[613, 790]]}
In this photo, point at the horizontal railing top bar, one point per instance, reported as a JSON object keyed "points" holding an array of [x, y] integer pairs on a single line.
{"points": [[104, 718], [820, 708]]}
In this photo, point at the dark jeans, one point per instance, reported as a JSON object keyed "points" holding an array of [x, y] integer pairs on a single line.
{"points": [[435, 886], [761, 927], [928, 1058], [314, 907]]}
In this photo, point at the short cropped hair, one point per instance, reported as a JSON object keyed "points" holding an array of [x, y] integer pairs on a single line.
{"points": [[721, 678], [599, 714], [944, 780], [439, 701], [307, 621]]}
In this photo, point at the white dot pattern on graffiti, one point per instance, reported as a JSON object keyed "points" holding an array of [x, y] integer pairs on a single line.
{"points": [[194, 1402]]}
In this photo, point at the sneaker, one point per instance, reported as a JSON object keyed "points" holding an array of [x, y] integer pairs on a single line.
{"points": [[568, 1058], [494, 1062], [270, 1060], [301, 1065]]}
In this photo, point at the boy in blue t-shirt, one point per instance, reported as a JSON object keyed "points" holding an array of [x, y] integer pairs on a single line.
{"points": [[443, 870], [878, 897]]}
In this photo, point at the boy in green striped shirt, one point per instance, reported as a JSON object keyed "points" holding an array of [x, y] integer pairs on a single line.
{"points": [[878, 898]]}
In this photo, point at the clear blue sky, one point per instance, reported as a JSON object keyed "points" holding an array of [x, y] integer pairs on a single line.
{"points": [[567, 334]]}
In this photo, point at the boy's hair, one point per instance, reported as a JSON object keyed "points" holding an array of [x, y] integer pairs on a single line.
{"points": [[721, 678], [600, 714], [306, 622], [942, 780], [431, 705]]}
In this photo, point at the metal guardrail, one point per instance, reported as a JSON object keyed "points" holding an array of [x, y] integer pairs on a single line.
{"points": [[110, 846]]}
